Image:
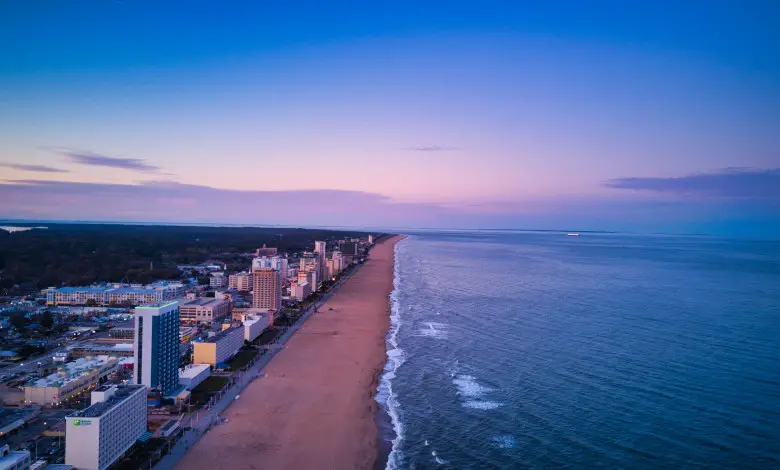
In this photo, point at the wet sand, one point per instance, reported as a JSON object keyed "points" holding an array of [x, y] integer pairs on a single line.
{"points": [[315, 409]]}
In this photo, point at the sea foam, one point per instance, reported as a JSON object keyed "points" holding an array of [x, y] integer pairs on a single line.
{"points": [[395, 358], [472, 393], [431, 329], [504, 442]]}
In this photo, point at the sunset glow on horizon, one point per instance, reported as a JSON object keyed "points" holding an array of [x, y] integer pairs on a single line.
{"points": [[662, 118]]}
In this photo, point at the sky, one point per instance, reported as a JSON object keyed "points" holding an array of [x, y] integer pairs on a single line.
{"points": [[606, 115]]}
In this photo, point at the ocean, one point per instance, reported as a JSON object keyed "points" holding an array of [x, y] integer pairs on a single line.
{"points": [[512, 350]]}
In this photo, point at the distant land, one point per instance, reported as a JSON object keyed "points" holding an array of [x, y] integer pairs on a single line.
{"points": [[81, 254]]}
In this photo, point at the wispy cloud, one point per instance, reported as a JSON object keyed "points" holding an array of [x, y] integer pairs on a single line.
{"points": [[170, 202], [734, 182], [34, 168], [96, 159], [432, 148]]}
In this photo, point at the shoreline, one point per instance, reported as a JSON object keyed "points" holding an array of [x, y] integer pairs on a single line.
{"points": [[317, 402]]}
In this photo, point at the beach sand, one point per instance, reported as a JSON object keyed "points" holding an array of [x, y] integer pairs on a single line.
{"points": [[315, 409]]}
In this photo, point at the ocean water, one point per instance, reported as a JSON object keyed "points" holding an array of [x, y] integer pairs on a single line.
{"points": [[538, 350]]}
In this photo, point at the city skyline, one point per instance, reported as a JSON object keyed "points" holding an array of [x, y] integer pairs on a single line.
{"points": [[659, 118]]}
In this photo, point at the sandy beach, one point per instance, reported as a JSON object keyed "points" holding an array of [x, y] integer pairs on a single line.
{"points": [[315, 409]]}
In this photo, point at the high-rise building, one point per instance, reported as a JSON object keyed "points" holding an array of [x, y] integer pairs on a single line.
{"points": [[338, 262], [320, 248], [278, 263], [267, 289], [370, 239], [329, 269], [97, 436], [311, 276], [156, 347], [349, 248]]}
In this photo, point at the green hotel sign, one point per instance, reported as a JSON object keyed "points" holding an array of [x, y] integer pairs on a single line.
{"points": [[81, 422]]}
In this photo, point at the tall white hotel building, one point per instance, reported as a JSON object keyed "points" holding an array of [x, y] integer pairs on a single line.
{"points": [[98, 436]]}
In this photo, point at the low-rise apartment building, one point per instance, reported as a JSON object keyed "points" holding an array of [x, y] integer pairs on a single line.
{"points": [[219, 348], [240, 281], [204, 309], [70, 379]]}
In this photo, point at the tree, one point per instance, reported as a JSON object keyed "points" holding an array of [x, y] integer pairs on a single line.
{"points": [[47, 319], [18, 321]]}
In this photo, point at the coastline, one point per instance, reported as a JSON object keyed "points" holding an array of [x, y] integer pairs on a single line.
{"points": [[317, 402]]}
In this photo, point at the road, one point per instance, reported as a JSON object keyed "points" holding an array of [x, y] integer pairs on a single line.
{"points": [[30, 364], [205, 419]]}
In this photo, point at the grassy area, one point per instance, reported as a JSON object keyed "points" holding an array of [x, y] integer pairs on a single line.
{"points": [[206, 389], [268, 336], [243, 358], [142, 455]]}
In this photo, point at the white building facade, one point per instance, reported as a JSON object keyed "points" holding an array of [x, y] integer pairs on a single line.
{"points": [[254, 325], [99, 435], [193, 375]]}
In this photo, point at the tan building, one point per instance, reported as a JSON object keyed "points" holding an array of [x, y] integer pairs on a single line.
{"points": [[267, 289], [204, 309], [240, 281], [311, 276], [220, 347]]}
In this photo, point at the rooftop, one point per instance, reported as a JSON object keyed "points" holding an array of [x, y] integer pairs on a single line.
{"points": [[201, 302], [71, 371], [222, 334], [193, 370], [117, 347], [132, 290], [100, 408], [68, 290], [157, 305]]}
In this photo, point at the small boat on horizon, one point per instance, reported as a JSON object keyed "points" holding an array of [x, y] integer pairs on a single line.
{"points": [[572, 234]]}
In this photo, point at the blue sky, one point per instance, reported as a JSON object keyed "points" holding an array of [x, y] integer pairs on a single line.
{"points": [[641, 116]]}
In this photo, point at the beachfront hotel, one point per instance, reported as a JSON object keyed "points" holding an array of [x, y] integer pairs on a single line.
{"points": [[267, 289], [156, 347], [98, 436]]}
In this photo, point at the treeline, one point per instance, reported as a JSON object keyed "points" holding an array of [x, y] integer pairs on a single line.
{"points": [[80, 254]]}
